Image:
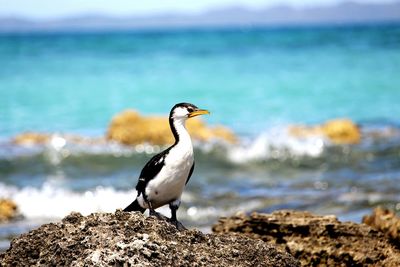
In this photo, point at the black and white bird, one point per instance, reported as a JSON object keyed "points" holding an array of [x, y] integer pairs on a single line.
{"points": [[164, 177]]}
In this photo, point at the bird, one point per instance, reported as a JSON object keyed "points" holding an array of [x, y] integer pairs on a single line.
{"points": [[164, 177]]}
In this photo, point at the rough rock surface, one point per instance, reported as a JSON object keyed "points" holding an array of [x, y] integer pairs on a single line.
{"points": [[339, 131], [385, 221], [131, 239], [129, 128], [316, 240]]}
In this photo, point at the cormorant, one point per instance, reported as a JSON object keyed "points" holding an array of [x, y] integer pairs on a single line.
{"points": [[164, 177]]}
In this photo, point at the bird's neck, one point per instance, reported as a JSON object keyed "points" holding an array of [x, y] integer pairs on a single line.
{"points": [[181, 135]]}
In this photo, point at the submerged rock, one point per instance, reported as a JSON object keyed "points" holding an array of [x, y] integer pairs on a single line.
{"points": [[338, 131], [31, 138], [385, 221], [131, 239], [316, 240], [8, 210], [54, 139], [129, 127]]}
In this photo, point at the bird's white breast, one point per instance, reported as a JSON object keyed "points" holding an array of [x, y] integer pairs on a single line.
{"points": [[168, 185]]}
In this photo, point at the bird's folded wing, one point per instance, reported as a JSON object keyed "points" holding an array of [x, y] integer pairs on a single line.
{"points": [[150, 170]]}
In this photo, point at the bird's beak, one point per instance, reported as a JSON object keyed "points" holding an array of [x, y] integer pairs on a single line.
{"points": [[198, 112]]}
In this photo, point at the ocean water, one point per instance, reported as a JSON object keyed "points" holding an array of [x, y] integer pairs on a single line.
{"points": [[256, 81]]}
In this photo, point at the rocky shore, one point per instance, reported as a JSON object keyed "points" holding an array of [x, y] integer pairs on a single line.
{"points": [[318, 240], [131, 239], [283, 238]]}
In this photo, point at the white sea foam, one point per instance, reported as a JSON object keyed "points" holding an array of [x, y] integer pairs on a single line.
{"points": [[277, 143], [50, 201]]}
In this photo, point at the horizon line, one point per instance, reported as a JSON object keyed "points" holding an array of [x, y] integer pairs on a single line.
{"points": [[187, 13]]}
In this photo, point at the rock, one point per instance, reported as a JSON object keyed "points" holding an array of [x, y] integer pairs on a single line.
{"points": [[131, 239], [8, 210], [385, 221], [129, 127], [338, 131], [31, 138], [342, 131], [316, 240]]}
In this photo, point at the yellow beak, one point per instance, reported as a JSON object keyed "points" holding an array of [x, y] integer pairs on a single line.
{"points": [[198, 112]]}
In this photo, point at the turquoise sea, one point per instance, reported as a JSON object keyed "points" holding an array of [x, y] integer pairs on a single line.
{"points": [[256, 81]]}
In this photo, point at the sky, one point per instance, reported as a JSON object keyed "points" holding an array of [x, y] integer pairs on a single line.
{"points": [[49, 9]]}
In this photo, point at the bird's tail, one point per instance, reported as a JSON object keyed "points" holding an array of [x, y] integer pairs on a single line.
{"points": [[134, 206]]}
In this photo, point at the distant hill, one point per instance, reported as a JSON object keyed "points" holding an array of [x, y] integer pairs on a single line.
{"points": [[344, 13]]}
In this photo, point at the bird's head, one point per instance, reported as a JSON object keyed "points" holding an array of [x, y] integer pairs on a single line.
{"points": [[186, 110]]}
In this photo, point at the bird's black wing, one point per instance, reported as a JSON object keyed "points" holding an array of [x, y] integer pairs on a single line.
{"points": [[150, 170], [190, 174]]}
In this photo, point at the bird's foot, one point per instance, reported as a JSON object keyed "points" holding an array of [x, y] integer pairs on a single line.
{"points": [[178, 225], [158, 215]]}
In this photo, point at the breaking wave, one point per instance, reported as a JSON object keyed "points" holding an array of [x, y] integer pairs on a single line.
{"points": [[51, 202], [273, 145]]}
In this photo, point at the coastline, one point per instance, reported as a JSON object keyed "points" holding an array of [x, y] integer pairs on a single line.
{"points": [[301, 167], [131, 238]]}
